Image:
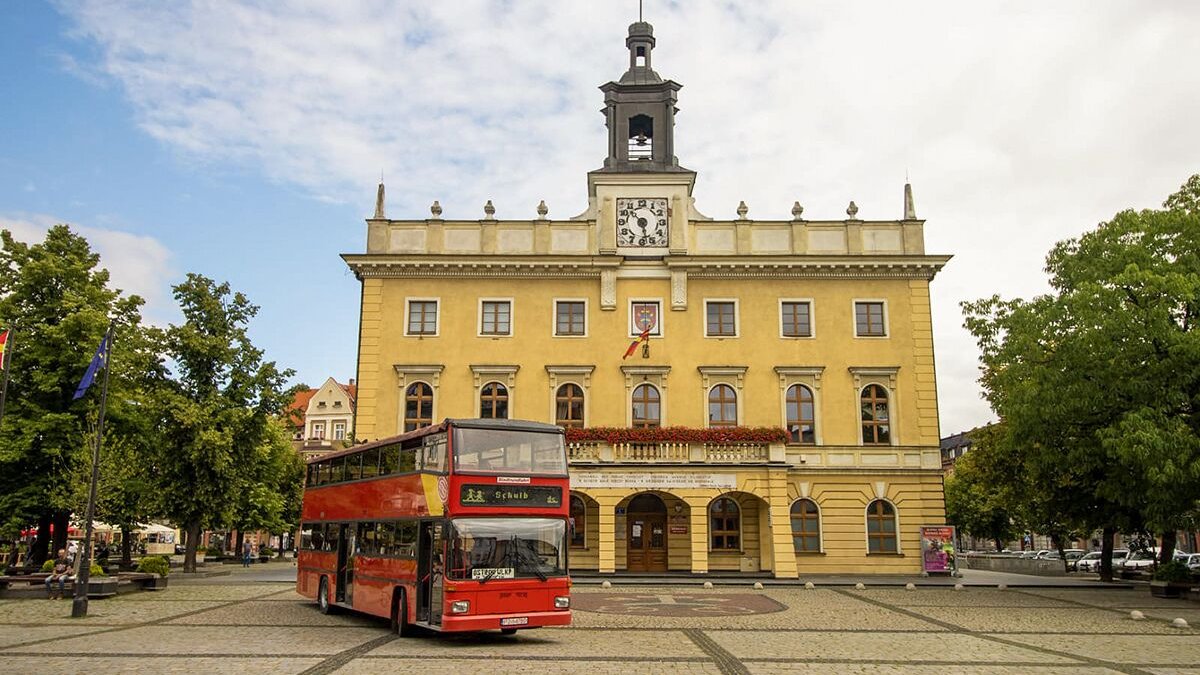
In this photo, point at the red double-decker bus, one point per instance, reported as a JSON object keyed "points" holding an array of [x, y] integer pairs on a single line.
{"points": [[460, 526]]}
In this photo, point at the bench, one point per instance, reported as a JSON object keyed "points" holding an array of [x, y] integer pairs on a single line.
{"points": [[100, 587]]}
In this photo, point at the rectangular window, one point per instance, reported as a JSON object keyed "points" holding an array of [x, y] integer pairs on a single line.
{"points": [[495, 317], [422, 317], [569, 317], [389, 459], [869, 319], [339, 431], [720, 319], [796, 319], [318, 431], [370, 463]]}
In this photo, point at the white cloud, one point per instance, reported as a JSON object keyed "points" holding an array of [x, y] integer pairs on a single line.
{"points": [[137, 264], [1019, 124]]}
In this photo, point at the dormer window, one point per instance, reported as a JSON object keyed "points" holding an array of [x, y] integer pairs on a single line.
{"points": [[641, 137], [320, 404], [337, 404]]}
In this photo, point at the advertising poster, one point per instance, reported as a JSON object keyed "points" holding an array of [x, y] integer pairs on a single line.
{"points": [[937, 549]]}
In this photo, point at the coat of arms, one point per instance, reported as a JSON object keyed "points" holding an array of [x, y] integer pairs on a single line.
{"points": [[645, 318]]}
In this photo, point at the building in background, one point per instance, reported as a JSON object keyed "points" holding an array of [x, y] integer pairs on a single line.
{"points": [[643, 313], [322, 419]]}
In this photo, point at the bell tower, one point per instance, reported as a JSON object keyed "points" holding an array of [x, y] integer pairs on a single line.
{"points": [[639, 111]]}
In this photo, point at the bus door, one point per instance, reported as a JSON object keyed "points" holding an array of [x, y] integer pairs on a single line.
{"points": [[345, 564], [430, 574]]}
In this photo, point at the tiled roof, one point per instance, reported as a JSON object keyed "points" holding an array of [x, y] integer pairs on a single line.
{"points": [[294, 414]]}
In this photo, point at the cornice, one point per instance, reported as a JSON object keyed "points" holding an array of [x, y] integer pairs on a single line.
{"points": [[540, 266], [810, 267]]}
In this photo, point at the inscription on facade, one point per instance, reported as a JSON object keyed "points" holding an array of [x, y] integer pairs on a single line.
{"points": [[654, 480]]}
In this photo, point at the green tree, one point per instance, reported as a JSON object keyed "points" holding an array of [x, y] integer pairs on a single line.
{"points": [[1098, 382], [218, 410], [270, 494], [976, 501], [59, 303]]}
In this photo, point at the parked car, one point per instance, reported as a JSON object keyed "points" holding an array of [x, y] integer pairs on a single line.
{"points": [[1089, 562], [1142, 560], [1193, 562], [1072, 556]]}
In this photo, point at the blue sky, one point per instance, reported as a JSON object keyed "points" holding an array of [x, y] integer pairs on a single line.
{"points": [[242, 139]]}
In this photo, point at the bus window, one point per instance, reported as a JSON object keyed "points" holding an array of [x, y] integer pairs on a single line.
{"points": [[406, 539], [370, 463], [493, 451], [385, 534], [317, 537], [353, 467], [367, 541], [336, 467], [332, 534], [306, 535], [434, 458], [389, 459]]}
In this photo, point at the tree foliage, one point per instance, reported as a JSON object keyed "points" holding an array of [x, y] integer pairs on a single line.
{"points": [[1098, 382], [979, 500]]}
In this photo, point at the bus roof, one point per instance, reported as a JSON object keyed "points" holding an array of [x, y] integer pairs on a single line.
{"points": [[513, 425]]}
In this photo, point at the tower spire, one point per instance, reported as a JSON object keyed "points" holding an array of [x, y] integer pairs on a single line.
{"points": [[379, 211], [910, 211]]}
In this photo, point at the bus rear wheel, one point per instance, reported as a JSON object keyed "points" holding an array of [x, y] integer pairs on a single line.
{"points": [[323, 597]]}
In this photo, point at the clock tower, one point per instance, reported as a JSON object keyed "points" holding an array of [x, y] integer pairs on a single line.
{"points": [[641, 197]]}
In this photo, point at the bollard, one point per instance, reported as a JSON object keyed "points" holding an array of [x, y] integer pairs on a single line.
{"points": [[1136, 615]]}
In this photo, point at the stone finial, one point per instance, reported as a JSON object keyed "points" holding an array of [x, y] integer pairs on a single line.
{"points": [[797, 211], [489, 211], [852, 210], [910, 211], [379, 203], [742, 210], [436, 209], [542, 210]]}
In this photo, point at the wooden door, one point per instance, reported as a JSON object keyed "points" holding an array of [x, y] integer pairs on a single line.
{"points": [[646, 550]]}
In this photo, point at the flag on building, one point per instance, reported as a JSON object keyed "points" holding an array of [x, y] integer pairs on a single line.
{"points": [[3, 341], [93, 367], [637, 341]]}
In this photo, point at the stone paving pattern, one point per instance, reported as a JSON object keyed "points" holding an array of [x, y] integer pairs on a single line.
{"points": [[254, 627]]}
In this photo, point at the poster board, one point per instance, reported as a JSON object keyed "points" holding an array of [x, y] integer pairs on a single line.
{"points": [[937, 549]]}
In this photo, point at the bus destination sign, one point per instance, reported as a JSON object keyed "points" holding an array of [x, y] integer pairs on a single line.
{"points": [[534, 496]]}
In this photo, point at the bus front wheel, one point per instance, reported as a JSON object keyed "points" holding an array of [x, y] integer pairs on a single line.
{"points": [[323, 597], [400, 623]]}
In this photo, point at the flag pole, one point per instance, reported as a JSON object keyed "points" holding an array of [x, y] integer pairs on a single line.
{"points": [[79, 605], [5, 365]]}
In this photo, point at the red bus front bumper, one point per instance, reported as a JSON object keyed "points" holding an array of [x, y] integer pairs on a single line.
{"points": [[457, 622]]}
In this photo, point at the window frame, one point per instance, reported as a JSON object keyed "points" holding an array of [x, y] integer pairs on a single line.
{"points": [[582, 405], [895, 521], [657, 390], [890, 424], [799, 410], [812, 319], [726, 532], [318, 431], [737, 325], [708, 402], [437, 317], [887, 332], [576, 527], [404, 405], [586, 307], [507, 399], [479, 325], [339, 428], [820, 526]]}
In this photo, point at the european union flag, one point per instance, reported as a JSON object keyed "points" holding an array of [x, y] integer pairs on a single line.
{"points": [[93, 368]]}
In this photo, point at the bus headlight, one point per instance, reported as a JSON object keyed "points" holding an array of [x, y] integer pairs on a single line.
{"points": [[460, 606], [562, 602]]}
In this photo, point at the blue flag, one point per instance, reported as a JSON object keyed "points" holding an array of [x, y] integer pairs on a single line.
{"points": [[93, 367]]}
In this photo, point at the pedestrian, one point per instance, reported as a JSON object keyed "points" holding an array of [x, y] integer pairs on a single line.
{"points": [[62, 568], [246, 550]]}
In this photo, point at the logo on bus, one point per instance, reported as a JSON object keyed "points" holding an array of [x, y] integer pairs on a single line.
{"points": [[443, 489]]}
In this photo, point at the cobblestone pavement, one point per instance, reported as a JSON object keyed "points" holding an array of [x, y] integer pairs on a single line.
{"points": [[254, 627]]}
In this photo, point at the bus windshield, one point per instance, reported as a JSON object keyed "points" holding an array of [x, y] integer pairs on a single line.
{"points": [[507, 548], [507, 451]]}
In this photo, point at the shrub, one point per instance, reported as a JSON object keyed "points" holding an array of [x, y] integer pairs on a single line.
{"points": [[93, 571], [267, 551], [214, 551], [1174, 571], [154, 564], [48, 566]]}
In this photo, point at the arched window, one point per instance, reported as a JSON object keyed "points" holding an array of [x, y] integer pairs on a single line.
{"points": [[801, 415], [722, 406], [418, 406], [493, 401], [647, 409], [881, 527], [578, 522], [806, 526], [726, 525], [876, 427], [568, 406]]}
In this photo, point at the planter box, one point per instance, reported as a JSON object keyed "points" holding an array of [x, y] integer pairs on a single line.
{"points": [[155, 584], [103, 587], [1169, 589]]}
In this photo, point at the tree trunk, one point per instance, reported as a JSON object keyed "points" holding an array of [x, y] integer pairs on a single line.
{"points": [[39, 552], [1062, 554], [999, 545], [193, 540], [1106, 551], [1166, 550], [237, 547], [62, 521], [126, 547]]}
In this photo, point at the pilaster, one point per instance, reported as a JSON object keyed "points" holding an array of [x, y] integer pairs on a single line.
{"points": [[699, 528], [781, 525], [608, 533]]}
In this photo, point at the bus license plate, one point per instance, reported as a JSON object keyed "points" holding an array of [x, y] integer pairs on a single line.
{"points": [[515, 621]]}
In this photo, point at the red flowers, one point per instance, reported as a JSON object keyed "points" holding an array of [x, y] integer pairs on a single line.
{"points": [[613, 435]]}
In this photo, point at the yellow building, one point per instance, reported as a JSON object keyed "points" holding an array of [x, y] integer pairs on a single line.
{"points": [[821, 328]]}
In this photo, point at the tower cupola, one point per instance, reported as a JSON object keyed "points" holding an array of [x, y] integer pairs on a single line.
{"points": [[639, 111]]}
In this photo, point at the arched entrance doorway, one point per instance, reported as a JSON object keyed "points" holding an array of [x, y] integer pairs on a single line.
{"points": [[646, 534]]}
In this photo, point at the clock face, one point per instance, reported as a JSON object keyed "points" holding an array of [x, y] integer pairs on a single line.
{"points": [[642, 222]]}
